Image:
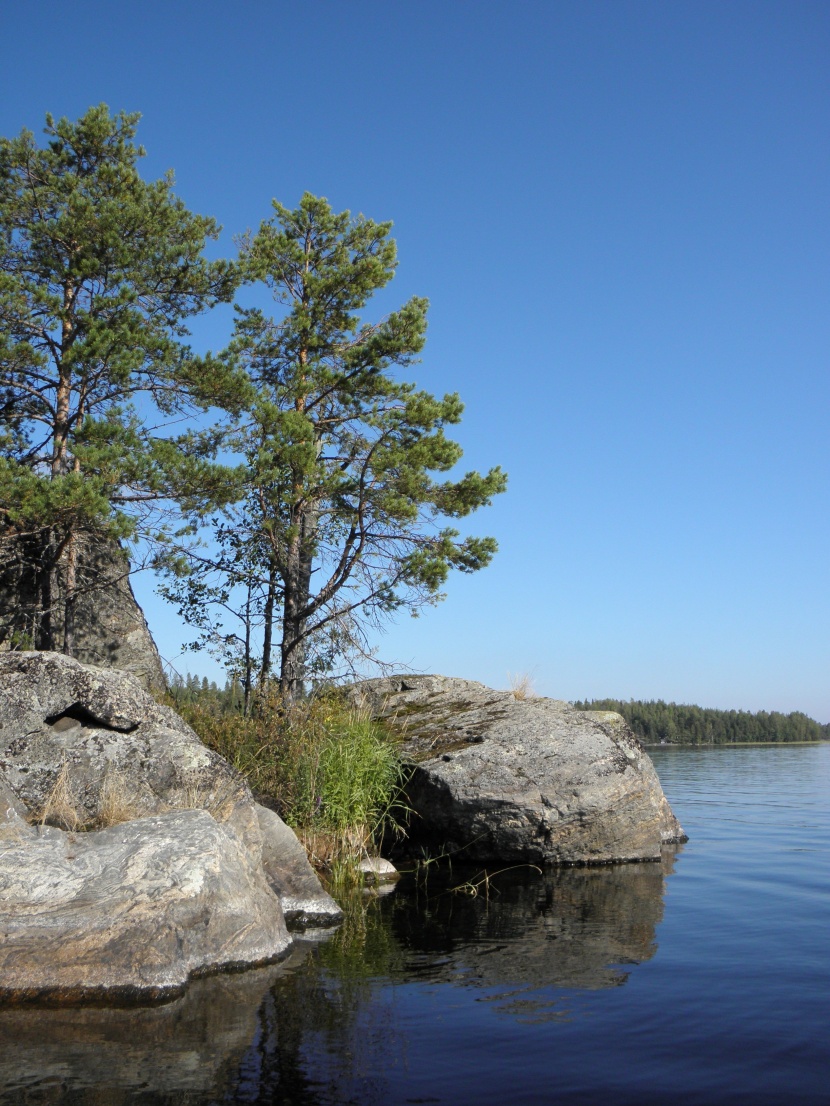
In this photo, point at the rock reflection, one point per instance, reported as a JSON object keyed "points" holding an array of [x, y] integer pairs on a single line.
{"points": [[335, 1033], [325, 1027], [153, 1054], [570, 927]]}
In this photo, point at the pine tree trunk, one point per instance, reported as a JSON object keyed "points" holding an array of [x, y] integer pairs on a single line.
{"points": [[300, 558], [246, 707], [268, 633], [292, 651], [60, 438], [47, 590], [70, 584]]}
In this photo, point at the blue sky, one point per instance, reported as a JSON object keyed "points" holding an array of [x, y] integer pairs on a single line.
{"points": [[619, 213]]}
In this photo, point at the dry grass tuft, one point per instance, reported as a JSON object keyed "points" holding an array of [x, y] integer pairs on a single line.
{"points": [[330, 850], [60, 807], [218, 801], [116, 803], [521, 685]]}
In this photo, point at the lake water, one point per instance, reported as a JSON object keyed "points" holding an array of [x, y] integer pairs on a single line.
{"points": [[704, 979]]}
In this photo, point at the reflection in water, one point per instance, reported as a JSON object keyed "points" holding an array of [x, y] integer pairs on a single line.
{"points": [[151, 1053], [568, 928], [321, 1028]]}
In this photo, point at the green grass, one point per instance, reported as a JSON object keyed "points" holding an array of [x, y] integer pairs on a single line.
{"points": [[333, 774]]}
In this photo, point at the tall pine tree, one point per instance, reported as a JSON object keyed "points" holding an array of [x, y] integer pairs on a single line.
{"points": [[99, 270], [343, 506]]}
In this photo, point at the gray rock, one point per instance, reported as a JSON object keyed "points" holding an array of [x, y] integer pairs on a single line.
{"points": [[13, 825], [286, 865], [131, 911], [378, 870], [86, 747], [110, 628], [533, 780]]}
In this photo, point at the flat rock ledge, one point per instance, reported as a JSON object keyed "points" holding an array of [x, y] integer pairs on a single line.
{"points": [[532, 780], [151, 861]]}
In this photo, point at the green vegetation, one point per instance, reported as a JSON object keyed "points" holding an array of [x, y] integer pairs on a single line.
{"points": [[331, 773], [339, 520], [285, 484], [98, 272], [655, 722]]}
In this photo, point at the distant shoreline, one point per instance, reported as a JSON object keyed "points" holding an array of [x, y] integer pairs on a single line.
{"points": [[728, 744]]}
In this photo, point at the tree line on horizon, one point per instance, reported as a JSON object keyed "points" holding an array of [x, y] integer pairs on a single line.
{"points": [[656, 722], [653, 721], [290, 487]]}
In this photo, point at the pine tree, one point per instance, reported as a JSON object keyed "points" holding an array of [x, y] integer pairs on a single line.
{"points": [[342, 508], [98, 272]]}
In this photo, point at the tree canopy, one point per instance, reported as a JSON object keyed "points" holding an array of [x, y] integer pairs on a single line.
{"points": [[99, 270], [344, 512], [332, 506]]}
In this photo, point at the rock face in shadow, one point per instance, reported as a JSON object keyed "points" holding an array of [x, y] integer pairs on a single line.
{"points": [[110, 628], [83, 748], [533, 780]]}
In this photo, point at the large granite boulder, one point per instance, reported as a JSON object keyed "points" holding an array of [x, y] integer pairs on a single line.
{"points": [[496, 778], [133, 911], [84, 749]]}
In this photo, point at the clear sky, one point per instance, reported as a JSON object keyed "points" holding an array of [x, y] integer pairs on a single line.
{"points": [[619, 211]]}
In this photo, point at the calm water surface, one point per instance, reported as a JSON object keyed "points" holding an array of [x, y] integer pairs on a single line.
{"points": [[704, 979]]}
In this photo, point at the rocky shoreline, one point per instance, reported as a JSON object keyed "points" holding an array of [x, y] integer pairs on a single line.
{"points": [[532, 780], [134, 859], [186, 874]]}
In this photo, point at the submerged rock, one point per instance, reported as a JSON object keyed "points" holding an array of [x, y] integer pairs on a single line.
{"points": [[530, 780]]}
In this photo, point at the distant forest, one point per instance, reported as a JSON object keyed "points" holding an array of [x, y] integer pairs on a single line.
{"points": [[655, 722]]}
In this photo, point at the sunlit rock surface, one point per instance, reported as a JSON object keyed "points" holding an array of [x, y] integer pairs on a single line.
{"points": [[133, 911], [120, 755], [151, 861], [502, 779]]}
